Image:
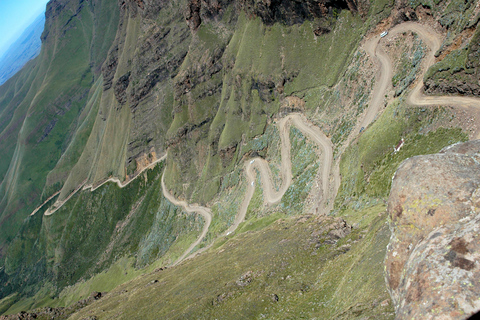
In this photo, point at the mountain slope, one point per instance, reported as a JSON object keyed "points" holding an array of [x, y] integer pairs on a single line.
{"points": [[40, 116], [120, 85]]}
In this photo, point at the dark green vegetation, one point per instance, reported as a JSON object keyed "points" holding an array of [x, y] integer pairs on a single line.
{"points": [[92, 231], [115, 87], [455, 15], [458, 72]]}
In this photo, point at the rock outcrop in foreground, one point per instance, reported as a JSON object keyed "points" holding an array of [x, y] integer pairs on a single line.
{"points": [[432, 263]]}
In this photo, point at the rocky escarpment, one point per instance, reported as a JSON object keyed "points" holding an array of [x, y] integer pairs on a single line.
{"points": [[223, 98], [291, 12], [459, 72], [172, 71], [432, 263], [283, 11]]}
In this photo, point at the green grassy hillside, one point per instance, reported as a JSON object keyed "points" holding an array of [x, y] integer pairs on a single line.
{"points": [[286, 270], [41, 105], [119, 84]]}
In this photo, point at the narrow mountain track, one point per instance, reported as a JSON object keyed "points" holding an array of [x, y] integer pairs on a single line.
{"points": [[329, 174], [83, 186], [270, 194], [433, 40], [206, 213]]}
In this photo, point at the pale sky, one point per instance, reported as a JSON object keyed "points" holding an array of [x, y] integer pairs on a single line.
{"points": [[15, 17]]}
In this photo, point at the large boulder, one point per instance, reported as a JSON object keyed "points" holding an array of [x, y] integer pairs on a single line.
{"points": [[432, 262]]}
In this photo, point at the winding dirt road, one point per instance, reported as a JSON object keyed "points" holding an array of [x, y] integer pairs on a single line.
{"points": [[206, 213], [433, 40], [83, 186], [270, 194], [330, 178], [383, 84]]}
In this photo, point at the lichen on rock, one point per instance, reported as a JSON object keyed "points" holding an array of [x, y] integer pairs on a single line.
{"points": [[432, 259]]}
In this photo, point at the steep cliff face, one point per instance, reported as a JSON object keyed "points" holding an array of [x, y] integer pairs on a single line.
{"points": [[172, 70], [141, 74], [457, 72]]}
